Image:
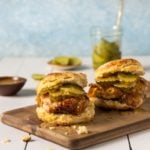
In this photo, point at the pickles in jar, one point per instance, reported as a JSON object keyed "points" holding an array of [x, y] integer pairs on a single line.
{"points": [[105, 51]]}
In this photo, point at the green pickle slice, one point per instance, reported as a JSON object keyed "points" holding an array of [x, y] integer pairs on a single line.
{"points": [[36, 76], [65, 61], [66, 90], [61, 60], [125, 84], [127, 77], [108, 79], [75, 61]]}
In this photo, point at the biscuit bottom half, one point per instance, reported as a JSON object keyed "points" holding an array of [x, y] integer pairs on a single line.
{"points": [[111, 104], [66, 119]]}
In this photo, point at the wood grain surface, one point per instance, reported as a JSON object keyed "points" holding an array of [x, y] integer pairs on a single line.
{"points": [[106, 125]]}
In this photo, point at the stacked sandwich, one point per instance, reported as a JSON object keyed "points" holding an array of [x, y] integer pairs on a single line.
{"points": [[119, 85], [61, 99]]}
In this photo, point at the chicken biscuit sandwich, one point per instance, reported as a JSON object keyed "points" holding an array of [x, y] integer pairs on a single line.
{"points": [[119, 85], [61, 99]]}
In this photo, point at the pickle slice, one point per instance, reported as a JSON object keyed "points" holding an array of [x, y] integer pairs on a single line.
{"points": [[60, 60], [98, 60], [125, 84], [65, 61], [108, 79], [38, 76], [74, 61], [66, 90], [127, 77]]}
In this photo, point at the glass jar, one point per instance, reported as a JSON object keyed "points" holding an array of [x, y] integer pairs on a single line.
{"points": [[106, 45]]}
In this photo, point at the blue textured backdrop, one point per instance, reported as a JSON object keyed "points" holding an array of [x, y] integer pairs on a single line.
{"points": [[54, 27]]}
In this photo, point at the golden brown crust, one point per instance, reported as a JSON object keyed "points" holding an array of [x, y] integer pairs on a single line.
{"points": [[112, 104], [66, 119], [55, 79], [128, 65]]}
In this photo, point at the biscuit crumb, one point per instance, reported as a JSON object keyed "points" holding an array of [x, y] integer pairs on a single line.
{"points": [[5, 141], [82, 130], [26, 138], [52, 128], [66, 133], [74, 126]]}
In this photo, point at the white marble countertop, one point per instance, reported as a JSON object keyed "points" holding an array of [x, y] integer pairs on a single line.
{"points": [[25, 67]]}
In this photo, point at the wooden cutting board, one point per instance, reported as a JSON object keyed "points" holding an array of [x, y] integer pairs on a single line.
{"points": [[106, 125]]}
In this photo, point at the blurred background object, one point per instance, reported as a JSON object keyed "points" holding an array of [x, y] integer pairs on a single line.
{"points": [[107, 41], [54, 27]]}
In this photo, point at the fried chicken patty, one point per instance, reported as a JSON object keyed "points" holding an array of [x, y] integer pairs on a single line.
{"points": [[107, 92], [128, 96], [68, 105]]}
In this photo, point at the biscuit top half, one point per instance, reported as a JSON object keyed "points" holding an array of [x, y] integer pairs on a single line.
{"points": [[57, 79], [127, 65]]}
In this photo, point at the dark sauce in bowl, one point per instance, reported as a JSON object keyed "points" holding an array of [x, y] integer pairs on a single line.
{"points": [[6, 81], [10, 85]]}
